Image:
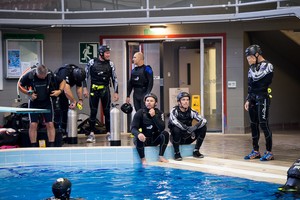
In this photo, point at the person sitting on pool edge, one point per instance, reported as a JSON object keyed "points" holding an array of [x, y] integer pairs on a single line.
{"points": [[148, 128], [182, 130], [61, 189]]}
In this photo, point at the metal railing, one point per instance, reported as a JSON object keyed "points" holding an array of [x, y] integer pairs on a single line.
{"points": [[117, 12]]}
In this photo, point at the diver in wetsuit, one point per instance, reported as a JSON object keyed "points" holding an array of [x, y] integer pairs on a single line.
{"points": [[258, 101], [141, 81], [61, 189], [293, 179], [148, 127]]}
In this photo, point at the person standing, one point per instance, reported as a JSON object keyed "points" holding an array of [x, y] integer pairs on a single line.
{"points": [[148, 127], [182, 130], [101, 70], [257, 103], [141, 81], [40, 85], [73, 75]]}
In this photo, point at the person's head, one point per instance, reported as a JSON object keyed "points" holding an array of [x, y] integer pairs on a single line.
{"points": [[183, 100], [41, 71], [61, 189], [150, 100], [104, 52], [253, 54], [78, 74], [138, 59]]}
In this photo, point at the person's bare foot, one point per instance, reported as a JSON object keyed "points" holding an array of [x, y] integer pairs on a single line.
{"points": [[162, 159], [144, 161]]}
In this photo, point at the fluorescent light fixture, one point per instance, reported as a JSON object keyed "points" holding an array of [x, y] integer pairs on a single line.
{"points": [[158, 29], [157, 26]]}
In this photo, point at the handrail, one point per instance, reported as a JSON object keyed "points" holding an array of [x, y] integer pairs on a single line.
{"points": [[104, 10], [223, 12]]}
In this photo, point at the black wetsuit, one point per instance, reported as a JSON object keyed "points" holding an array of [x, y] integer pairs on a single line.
{"points": [[152, 127], [259, 79], [180, 122], [43, 89], [62, 103], [141, 81], [101, 73]]}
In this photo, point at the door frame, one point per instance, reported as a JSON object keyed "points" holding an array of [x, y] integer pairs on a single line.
{"points": [[150, 38]]}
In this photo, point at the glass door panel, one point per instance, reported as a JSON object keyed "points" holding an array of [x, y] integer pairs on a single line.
{"points": [[212, 84]]}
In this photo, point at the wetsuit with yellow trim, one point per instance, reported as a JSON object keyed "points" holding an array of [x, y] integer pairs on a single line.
{"points": [[259, 79], [101, 73]]}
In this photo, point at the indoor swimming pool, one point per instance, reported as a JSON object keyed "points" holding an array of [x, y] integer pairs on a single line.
{"points": [[135, 182]]}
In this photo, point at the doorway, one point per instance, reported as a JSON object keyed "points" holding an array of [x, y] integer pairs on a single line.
{"points": [[152, 57], [202, 71]]}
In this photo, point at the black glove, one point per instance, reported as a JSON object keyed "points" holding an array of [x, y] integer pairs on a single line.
{"points": [[191, 129], [201, 123], [184, 126]]}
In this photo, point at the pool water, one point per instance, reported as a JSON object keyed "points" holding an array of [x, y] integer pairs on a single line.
{"points": [[150, 182]]}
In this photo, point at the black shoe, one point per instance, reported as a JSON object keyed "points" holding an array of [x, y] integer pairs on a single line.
{"points": [[197, 154], [177, 157], [51, 144], [34, 144]]}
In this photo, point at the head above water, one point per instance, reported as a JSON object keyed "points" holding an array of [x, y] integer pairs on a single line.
{"points": [[61, 188]]}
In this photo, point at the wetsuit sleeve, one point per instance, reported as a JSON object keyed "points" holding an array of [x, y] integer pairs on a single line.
{"points": [[87, 72], [174, 121], [136, 122], [58, 79], [24, 83], [201, 121], [149, 75], [267, 71], [114, 77], [129, 86], [159, 120]]}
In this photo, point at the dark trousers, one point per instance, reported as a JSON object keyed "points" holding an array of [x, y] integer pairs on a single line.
{"points": [[259, 117], [182, 137], [61, 107], [138, 98], [161, 139], [95, 97]]}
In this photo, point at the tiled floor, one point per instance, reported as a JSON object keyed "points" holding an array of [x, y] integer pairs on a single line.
{"points": [[286, 147], [224, 154]]}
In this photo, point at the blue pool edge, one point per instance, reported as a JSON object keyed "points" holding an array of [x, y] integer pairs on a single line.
{"points": [[117, 156]]}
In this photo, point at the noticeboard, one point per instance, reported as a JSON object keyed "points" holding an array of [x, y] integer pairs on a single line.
{"points": [[21, 54]]}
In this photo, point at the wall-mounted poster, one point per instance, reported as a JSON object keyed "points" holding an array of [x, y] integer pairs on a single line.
{"points": [[21, 54], [14, 63]]}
